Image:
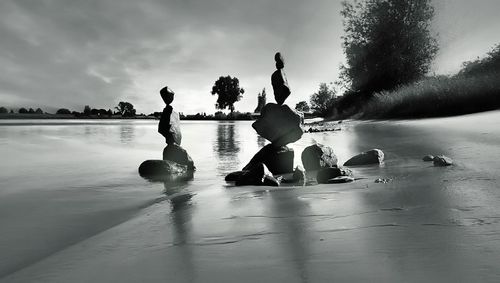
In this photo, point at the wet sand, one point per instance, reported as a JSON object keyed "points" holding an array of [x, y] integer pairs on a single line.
{"points": [[435, 224]]}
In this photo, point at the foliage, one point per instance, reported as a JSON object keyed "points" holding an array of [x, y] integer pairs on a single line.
{"points": [[23, 110], [387, 43], [38, 111], [322, 100], [86, 110], [302, 106], [228, 91], [63, 111], [31, 111], [126, 109], [489, 64], [3, 110]]}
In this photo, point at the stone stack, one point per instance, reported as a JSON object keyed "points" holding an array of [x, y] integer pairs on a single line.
{"points": [[176, 162], [280, 125]]}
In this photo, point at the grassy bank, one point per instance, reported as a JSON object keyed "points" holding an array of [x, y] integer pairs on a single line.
{"points": [[435, 97]]}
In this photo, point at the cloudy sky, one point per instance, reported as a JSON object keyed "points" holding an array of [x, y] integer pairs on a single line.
{"points": [[70, 53]]}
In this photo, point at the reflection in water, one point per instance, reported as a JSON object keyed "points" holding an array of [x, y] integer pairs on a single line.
{"points": [[127, 133], [227, 146]]}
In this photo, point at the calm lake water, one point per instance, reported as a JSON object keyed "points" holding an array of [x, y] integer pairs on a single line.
{"points": [[73, 207]]}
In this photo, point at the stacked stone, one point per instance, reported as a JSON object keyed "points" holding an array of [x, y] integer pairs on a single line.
{"points": [[176, 161], [280, 125]]}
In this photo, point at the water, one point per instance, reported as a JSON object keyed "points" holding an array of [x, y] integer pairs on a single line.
{"points": [[73, 207]]}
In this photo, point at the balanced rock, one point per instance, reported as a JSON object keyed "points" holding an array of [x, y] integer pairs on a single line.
{"points": [[164, 170], [279, 160], [442, 160], [373, 156], [279, 124], [279, 81], [176, 153], [428, 158], [318, 156], [256, 175], [326, 174]]}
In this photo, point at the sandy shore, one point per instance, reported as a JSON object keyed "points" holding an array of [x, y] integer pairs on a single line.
{"points": [[428, 224]]}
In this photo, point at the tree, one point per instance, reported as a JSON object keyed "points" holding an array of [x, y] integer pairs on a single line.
{"points": [[126, 109], [22, 110], [302, 106], [321, 101], [86, 110], [38, 111], [31, 111], [63, 111], [229, 91], [488, 65], [387, 43], [3, 110]]}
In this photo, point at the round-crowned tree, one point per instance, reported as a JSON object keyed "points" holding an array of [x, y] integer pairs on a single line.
{"points": [[228, 91]]}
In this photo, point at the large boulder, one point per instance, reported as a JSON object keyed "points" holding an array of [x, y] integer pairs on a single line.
{"points": [[326, 174], [256, 175], [279, 160], [442, 160], [179, 155], [373, 156], [318, 156], [164, 170], [279, 124]]}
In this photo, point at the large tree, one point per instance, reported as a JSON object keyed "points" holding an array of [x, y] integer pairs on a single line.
{"points": [[302, 106], [126, 109], [228, 91], [322, 100], [387, 43]]}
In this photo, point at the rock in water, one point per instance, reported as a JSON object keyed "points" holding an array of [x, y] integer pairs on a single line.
{"points": [[326, 174], [179, 155], [299, 176], [256, 175], [279, 160], [279, 124], [428, 158], [374, 156], [442, 160], [318, 156], [164, 170]]}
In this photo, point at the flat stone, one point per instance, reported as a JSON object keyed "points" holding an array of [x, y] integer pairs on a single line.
{"points": [[428, 158], [279, 124], [324, 175], [164, 170], [373, 156], [318, 156], [442, 160], [279, 160]]}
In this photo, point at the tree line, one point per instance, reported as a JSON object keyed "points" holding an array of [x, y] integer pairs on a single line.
{"points": [[123, 109]]}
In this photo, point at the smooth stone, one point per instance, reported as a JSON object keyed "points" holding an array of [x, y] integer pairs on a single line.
{"points": [[279, 60], [340, 180], [164, 170], [179, 155], [279, 160], [442, 160], [373, 156], [324, 175], [428, 158], [279, 124], [280, 86], [257, 175], [318, 156]]}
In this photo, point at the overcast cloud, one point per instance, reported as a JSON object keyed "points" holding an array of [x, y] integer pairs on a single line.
{"points": [[63, 53]]}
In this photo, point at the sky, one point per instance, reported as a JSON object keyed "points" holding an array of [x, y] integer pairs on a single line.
{"points": [[69, 53]]}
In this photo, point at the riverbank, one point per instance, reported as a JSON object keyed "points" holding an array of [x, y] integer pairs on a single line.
{"points": [[436, 224]]}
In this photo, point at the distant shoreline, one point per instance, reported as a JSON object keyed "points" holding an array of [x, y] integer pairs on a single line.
{"points": [[17, 116]]}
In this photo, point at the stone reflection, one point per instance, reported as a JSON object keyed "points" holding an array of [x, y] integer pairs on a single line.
{"points": [[127, 133], [227, 147]]}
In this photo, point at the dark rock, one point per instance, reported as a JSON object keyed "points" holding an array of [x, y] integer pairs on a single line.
{"points": [[164, 170], [442, 160], [428, 158], [278, 80], [256, 175], [279, 124], [167, 95], [233, 176], [299, 176], [325, 174], [280, 61], [279, 160], [318, 156], [340, 179], [374, 156], [179, 155]]}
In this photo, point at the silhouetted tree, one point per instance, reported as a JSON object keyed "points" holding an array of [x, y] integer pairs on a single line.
{"points": [[38, 111], [321, 101], [86, 110], [302, 106], [261, 101], [126, 109], [63, 111], [109, 113], [31, 111], [387, 43], [3, 110], [22, 110], [229, 91], [11, 111], [487, 65]]}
